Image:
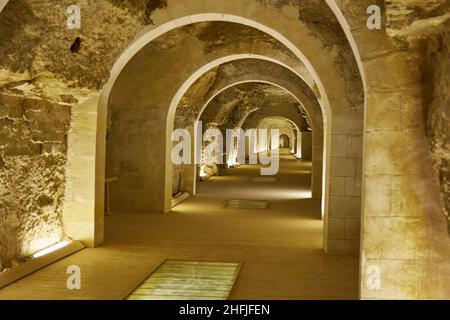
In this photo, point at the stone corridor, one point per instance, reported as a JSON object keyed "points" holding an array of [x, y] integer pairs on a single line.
{"points": [[125, 126], [280, 248]]}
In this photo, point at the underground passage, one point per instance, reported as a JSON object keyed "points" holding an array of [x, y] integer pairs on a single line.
{"points": [[205, 150]]}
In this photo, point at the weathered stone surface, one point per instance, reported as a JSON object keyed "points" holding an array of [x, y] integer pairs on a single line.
{"points": [[323, 24], [33, 156], [41, 58], [39, 30], [423, 28], [437, 100]]}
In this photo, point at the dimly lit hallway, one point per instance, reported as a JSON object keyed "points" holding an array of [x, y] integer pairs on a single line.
{"points": [[280, 248]]}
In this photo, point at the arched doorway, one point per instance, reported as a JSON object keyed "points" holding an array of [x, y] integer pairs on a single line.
{"points": [[285, 142], [165, 206], [338, 244]]}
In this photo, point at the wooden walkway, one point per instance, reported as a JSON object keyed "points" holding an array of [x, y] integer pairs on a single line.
{"points": [[280, 248]]}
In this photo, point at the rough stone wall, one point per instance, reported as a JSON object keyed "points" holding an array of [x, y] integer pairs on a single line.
{"points": [[32, 158], [38, 57], [218, 35], [194, 99], [61, 65], [41, 59], [423, 27], [289, 111], [231, 105], [404, 234], [192, 102], [437, 102], [323, 24]]}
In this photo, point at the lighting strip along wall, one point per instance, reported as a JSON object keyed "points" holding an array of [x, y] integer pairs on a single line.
{"points": [[176, 201], [188, 280], [41, 260]]}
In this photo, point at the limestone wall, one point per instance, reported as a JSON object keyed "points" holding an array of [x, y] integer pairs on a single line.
{"points": [[405, 243], [436, 83], [423, 27], [32, 159], [36, 44], [307, 141]]}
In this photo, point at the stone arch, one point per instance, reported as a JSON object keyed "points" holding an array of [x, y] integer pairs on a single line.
{"points": [[249, 120], [3, 4], [300, 137], [323, 69], [289, 133], [285, 141], [319, 148], [267, 70], [280, 75], [387, 180], [403, 164]]}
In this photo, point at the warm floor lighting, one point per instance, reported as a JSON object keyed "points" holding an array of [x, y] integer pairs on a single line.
{"points": [[231, 163], [202, 172], [50, 249]]}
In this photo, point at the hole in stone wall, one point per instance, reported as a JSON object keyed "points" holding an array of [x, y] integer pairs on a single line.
{"points": [[76, 45]]}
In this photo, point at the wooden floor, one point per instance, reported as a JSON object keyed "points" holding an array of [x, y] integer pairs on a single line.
{"points": [[280, 248]]}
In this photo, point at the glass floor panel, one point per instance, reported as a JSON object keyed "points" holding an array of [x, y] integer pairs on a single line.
{"points": [[188, 280]]}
